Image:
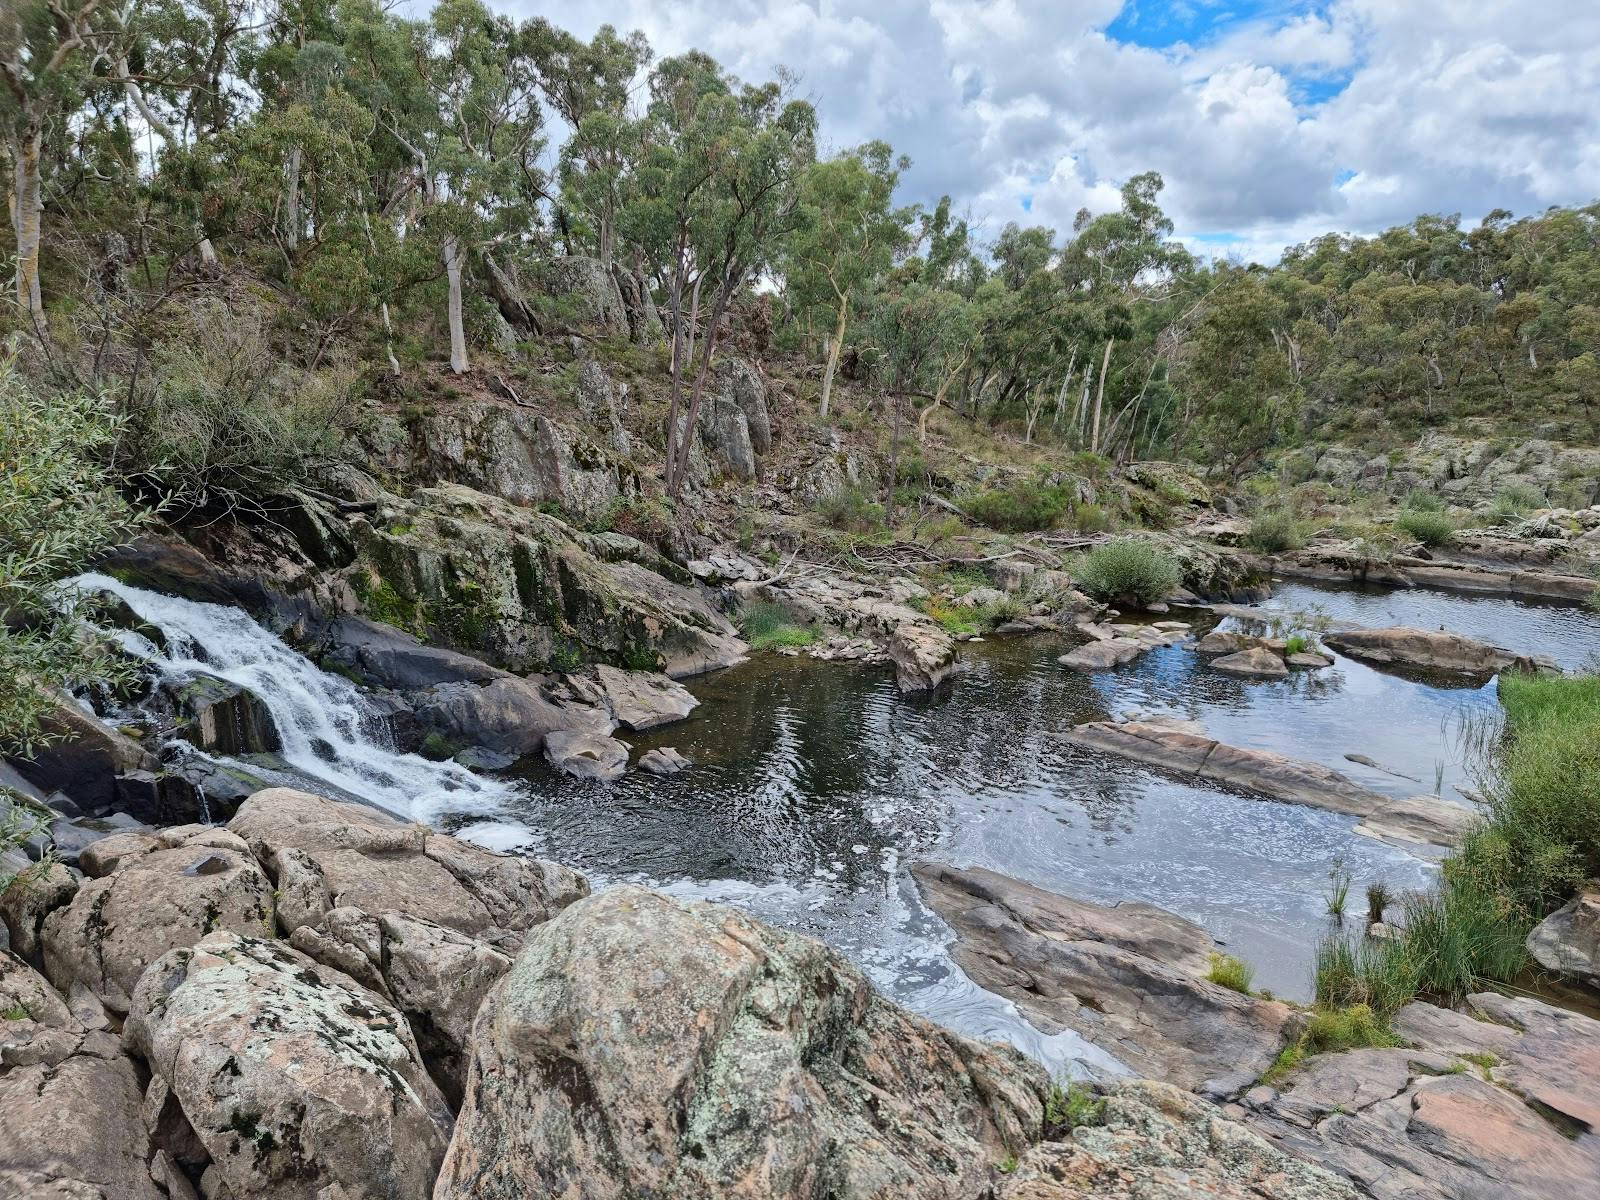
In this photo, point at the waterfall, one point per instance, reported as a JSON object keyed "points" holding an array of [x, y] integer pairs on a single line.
{"points": [[330, 732]]}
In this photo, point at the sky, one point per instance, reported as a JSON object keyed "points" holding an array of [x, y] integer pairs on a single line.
{"points": [[1271, 121]]}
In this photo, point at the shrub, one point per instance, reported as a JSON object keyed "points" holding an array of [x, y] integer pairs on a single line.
{"points": [[850, 509], [1429, 528], [1090, 518], [1230, 972], [57, 511], [766, 626], [1275, 532], [222, 422], [1418, 500], [1070, 1107], [1129, 567], [1020, 506], [1378, 900]]}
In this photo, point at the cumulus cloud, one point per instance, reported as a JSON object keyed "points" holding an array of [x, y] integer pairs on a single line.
{"points": [[1271, 121]]}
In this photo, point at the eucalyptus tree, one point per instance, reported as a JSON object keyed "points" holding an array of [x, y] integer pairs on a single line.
{"points": [[46, 49], [850, 235], [716, 195], [590, 85]]}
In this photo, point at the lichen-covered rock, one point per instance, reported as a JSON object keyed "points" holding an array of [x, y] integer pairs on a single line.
{"points": [[361, 858], [224, 717], [586, 292], [518, 454], [1154, 1142], [643, 1046], [529, 592], [300, 1083], [71, 1101], [740, 381], [28, 899], [190, 881], [1567, 942]]}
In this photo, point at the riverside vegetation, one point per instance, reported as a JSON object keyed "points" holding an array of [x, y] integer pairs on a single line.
{"points": [[555, 355]]}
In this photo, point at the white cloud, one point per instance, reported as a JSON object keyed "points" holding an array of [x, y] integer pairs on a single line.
{"points": [[1444, 108]]}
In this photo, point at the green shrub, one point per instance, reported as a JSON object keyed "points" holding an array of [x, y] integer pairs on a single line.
{"points": [[1230, 972], [1298, 643], [1131, 568], [1275, 532], [1070, 1107], [1019, 506], [1090, 518], [1429, 528], [766, 626], [1418, 500], [850, 509]]}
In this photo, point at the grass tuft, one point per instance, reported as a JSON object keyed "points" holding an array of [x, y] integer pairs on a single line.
{"points": [[1230, 972], [766, 626]]}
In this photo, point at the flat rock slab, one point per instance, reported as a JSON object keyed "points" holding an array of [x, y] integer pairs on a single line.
{"points": [[1420, 819], [1500, 1101], [1127, 977], [1432, 650], [1258, 662], [587, 755]]}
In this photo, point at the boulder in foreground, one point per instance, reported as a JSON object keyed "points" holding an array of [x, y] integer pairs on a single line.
{"points": [[644, 1046]]}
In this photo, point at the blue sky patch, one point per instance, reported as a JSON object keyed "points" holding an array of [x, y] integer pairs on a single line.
{"points": [[1159, 26]]}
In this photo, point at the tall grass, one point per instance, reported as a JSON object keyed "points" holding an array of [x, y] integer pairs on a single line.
{"points": [[1429, 528], [766, 626], [1538, 839], [1230, 972]]}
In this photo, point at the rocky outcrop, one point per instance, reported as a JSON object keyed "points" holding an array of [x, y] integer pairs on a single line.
{"points": [[512, 716], [1258, 662], [520, 455], [1567, 942], [1420, 818], [1501, 1102], [527, 591], [71, 1099], [1466, 470], [162, 891], [1111, 645], [325, 855], [82, 756], [1156, 1142], [298, 1082], [636, 700], [224, 718], [643, 1046], [585, 292], [1128, 977], [733, 421], [1432, 650]]}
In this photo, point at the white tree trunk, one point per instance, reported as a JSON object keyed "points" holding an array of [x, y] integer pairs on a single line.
{"points": [[27, 214], [1100, 397], [458, 333], [834, 349], [291, 200]]}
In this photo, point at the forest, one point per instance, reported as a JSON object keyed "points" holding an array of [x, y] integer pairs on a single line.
{"points": [[240, 221]]}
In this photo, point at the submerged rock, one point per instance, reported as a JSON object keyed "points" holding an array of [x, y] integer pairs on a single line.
{"points": [[644, 1046], [1432, 650], [1128, 977], [663, 761], [300, 1083]]}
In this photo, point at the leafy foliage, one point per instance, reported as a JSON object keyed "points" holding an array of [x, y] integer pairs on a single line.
{"points": [[1129, 567], [1429, 528], [1275, 532], [57, 510], [1020, 505]]}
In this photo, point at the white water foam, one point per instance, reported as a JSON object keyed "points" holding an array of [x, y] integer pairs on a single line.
{"points": [[330, 731]]}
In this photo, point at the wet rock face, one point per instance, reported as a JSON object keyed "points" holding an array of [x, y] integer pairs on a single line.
{"points": [[1502, 1101], [326, 855], [225, 718], [298, 1082], [528, 592], [168, 890], [84, 758], [1129, 977], [642, 1046]]}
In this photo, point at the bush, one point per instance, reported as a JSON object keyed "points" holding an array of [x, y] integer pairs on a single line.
{"points": [[1429, 528], [766, 626], [1418, 500], [57, 511], [1230, 972], [1070, 1107], [1132, 568], [223, 422], [1275, 532], [851, 510], [1020, 506]]}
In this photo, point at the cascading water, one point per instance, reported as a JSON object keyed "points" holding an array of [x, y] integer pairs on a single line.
{"points": [[330, 731]]}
